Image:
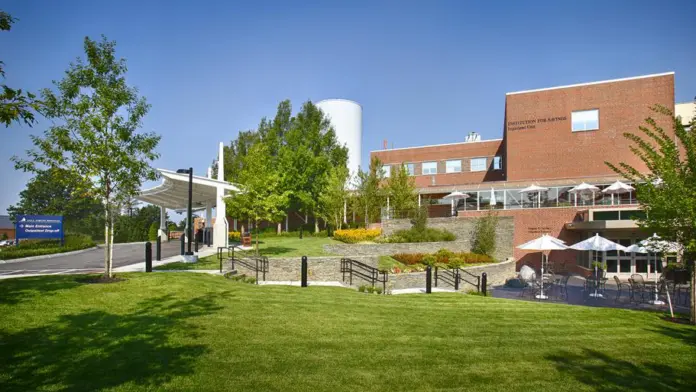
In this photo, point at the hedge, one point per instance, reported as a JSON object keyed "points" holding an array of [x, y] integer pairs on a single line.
{"points": [[30, 248]]}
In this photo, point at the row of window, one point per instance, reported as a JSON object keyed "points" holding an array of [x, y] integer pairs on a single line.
{"points": [[451, 166]]}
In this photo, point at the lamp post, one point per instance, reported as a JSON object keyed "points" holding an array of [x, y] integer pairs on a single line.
{"points": [[189, 214]]}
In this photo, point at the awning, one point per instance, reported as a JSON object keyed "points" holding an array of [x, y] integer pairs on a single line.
{"points": [[173, 192]]}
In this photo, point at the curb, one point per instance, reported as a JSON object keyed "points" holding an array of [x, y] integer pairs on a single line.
{"points": [[32, 258]]}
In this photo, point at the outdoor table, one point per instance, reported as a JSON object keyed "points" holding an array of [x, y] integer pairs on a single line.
{"points": [[596, 284]]}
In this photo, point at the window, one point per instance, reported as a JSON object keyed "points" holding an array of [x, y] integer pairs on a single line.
{"points": [[453, 166], [429, 168], [478, 164], [410, 168], [497, 163], [386, 170], [585, 120]]}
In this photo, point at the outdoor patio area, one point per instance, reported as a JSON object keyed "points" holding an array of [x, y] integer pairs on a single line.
{"points": [[575, 293]]}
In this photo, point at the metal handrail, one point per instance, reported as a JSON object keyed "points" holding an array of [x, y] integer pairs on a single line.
{"points": [[453, 277], [364, 271]]}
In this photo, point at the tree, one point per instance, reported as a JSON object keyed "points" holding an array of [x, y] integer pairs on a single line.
{"points": [[370, 195], [57, 191], [15, 105], [667, 191], [97, 117], [152, 232], [331, 202], [135, 225], [401, 189], [260, 198], [483, 237]]}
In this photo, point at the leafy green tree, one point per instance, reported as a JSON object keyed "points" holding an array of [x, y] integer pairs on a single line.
{"points": [[400, 187], [667, 190], [260, 199], [15, 105], [152, 232], [57, 191], [331, 201], [370, 193], [484, 237], [95, 132]]}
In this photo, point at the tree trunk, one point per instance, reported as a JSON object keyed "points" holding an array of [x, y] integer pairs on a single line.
{"points": [[256, 223], [366, 217], [111, 247], [107, 237], [316, 225], [692, 294], [280, 228]]}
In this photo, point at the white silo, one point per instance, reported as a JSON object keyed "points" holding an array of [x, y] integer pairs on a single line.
{"points": [[346, 118]]}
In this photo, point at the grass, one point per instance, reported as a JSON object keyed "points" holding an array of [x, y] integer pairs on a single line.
{"points": [[199, 332], [204, 263]]}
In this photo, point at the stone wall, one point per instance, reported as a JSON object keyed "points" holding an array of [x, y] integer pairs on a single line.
{"points": [[325, 268], [497, 274], [461, 227]]}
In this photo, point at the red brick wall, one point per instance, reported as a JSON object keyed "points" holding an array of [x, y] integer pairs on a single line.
{"points": [[440, 154], [10, 233], [551, 150]]}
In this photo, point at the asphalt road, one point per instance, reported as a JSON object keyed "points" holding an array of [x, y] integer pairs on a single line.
{"points": [[124, 254]]}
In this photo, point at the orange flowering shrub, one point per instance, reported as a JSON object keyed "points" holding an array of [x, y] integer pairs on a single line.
{"points": [[352, 236]]}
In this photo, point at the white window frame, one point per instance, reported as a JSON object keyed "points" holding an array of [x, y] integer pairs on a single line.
{"points": [[477, 169], [432, 166], [448, 169], [497, 163], [584, 124], [410, 172], [386, 171]]}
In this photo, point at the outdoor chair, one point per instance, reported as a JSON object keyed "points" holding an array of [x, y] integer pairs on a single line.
{"points": [[621, 287], [528, 286], [638, 288], [562, 287]]}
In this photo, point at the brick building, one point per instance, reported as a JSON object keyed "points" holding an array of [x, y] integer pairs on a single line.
{"points": [[555, 138], [7, 228]]}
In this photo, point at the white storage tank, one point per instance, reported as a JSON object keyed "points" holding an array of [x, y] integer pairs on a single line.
{"points": [[346, 117]]}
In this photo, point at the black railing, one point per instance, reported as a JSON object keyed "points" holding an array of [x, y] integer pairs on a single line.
{"points": [[455, 276], [258, 264], [363, 271]]}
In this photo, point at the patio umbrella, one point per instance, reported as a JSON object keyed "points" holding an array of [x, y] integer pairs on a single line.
{"points": [[599, 244], [617, 188], [493, 201], [455, 195], [545, 242], [535, 189], [656, 245], [583, 189]]}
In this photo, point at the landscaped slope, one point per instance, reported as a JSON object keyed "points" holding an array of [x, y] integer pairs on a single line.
{"points": [[194, 332]]}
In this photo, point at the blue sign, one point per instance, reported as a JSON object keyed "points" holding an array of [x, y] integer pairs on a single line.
{"points": [[39, 227]]}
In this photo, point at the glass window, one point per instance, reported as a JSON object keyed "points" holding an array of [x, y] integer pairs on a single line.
{"points": [[386, 170], [429, 168], [453, 166], [478, 164], [484, 198], [513, 199], [585, 120], [410, 168], [497, 163], [565, 199]]}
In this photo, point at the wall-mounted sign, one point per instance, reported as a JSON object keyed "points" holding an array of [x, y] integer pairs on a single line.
{"points": [[539, 230], [532, 123], [39, 227]]}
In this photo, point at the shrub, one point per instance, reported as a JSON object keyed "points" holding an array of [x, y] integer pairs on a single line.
{"points": [[484, 234], [4, 236], [378, 290], [430, 260], [152, 232], [46, 247], [234, 236], [362, 288], [426, 235], [370, 289], [352, 236], [409, 258], [443, 258]]}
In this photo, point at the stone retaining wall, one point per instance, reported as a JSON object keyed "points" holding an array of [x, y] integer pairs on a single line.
{"points": [[461, 227], [496, 273]]}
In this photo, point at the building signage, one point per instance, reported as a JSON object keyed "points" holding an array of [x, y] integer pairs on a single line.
{"points": [[532, 123], [39, 227], [539, 230]]}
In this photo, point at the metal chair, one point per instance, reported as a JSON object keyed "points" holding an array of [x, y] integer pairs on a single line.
{"points": [[638, 287], [563, 287], [620, 287]]}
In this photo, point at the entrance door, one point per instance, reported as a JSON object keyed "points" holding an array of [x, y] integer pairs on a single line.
{"points": [[623, 264]]}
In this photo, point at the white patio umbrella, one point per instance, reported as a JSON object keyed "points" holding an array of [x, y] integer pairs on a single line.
{"points": [[656, 245], [455, 195], [599, 244], [583, 189], [617, 188], [543, 243], [493, 201], [535, 189]]}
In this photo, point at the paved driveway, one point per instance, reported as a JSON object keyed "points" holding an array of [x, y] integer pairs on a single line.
{"points": [[124, 254]]}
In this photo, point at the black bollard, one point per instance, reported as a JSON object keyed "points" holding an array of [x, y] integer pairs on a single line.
{"points": [[183, 244], [304, 271], [484, 283], [148, 256], [158, 250], [195, 248], [456, 279], [428, 279]]}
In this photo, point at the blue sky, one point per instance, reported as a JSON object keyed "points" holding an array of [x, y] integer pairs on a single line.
{"points": [[424, 72]]}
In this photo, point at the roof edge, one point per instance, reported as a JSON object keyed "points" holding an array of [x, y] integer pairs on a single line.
{"points": [[591, 83], [437, 145]]}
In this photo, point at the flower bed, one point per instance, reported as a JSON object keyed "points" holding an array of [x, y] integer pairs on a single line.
{"points": [[352, 236], [416, 262]]}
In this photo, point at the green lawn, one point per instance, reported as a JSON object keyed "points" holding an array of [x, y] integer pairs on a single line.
{"points": [[195, 332], [204, 263]]}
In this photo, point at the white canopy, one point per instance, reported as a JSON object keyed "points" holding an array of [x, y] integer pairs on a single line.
{"points": [[545, 242], [617, 188], [636, 248], [172, 193], [533, 189], [584, 188], [599, 244], [657, 245]]}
